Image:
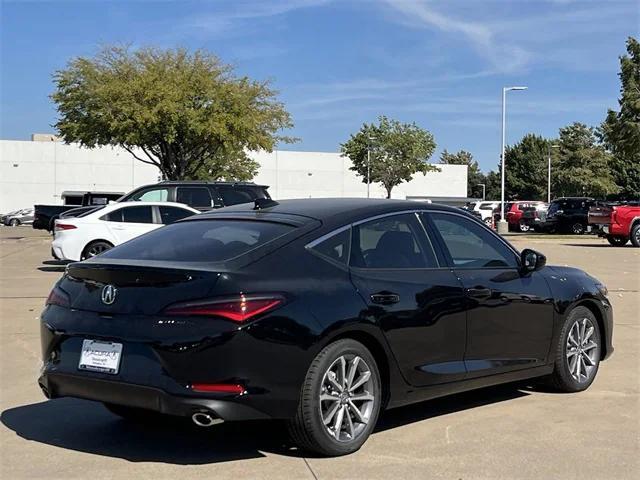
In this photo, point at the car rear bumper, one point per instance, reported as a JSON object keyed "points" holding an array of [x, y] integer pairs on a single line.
{"points": [[56, 385]]}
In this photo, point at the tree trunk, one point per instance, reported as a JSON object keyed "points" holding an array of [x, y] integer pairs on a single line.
{"points": [[388, 188]]}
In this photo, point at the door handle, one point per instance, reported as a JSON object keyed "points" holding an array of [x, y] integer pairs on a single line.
{"points": [[385, 298], [479, 292]]}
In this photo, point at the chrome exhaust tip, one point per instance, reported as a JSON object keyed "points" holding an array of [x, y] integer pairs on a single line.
{"points": [[203, 419]]}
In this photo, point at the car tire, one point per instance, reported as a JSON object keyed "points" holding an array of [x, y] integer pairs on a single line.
{"points": [[577, 228], [635, 235], [575, 366], [523, 226], [95, 248], [617, 240], [319, 416], [14, 222]]}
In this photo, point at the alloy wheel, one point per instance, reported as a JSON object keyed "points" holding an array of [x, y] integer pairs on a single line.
{"points": [[97, 249], [346, 398], [523, 226], [578, 228], [583, 350]]}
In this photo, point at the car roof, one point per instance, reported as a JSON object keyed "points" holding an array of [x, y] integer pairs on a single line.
{"points": [[206, 182], [330, 211], [117, 205]]}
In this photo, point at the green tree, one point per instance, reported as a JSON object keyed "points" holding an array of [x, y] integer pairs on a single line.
{"points": [[186, 113], [494, 186], [397, 150], [621, 130], [474, 175], [581, 166], [526, 168]]}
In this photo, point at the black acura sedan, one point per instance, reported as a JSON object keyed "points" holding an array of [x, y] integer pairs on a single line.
{"points": [[320, 312]]}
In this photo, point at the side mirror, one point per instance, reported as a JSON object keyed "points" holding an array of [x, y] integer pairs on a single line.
{"points": [[530, 260]]}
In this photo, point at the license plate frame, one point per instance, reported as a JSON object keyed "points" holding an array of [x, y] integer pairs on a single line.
{"points": [[100, 356]]}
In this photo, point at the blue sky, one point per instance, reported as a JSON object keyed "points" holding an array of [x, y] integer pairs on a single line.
{"points": [[340, 63]]}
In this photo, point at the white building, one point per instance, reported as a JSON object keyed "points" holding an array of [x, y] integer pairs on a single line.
{"points": [[36, 172]]}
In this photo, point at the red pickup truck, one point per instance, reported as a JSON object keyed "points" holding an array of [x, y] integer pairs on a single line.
{"points": [[624, 225]]}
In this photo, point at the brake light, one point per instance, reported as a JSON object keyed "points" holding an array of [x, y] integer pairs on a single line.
{"points": [[218, 388], [58, 297], [614, 215], [64, 226], [238, 309]]}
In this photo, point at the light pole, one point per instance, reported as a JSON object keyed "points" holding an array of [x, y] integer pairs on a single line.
{"points": [[502, 224], [369, 140], [484, 187], [549, 173]]}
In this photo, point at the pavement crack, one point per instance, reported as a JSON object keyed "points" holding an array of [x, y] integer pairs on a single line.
{"points": [[310, 469]]}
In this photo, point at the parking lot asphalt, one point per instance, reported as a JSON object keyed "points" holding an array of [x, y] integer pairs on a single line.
{"points": [[510, 432]]}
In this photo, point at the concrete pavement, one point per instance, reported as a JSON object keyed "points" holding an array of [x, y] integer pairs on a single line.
{"points": [[504, 432]]}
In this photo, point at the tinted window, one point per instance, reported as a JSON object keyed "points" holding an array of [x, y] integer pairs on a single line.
{"points": [[200, 241], [151, 195], [173, 214], [470, 244], [335, 247], [199, 197], [390, 242], [238, 194], [130, 215]]}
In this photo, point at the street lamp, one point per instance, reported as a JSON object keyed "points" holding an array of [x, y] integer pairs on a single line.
{"points": [[484, 187], [369, 140], [549, 173], [502, 224]]}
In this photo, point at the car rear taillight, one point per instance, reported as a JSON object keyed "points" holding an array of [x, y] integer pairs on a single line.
{"points": [[614, 215], [58, 297], [238, 309], [64, 226], [218, 388]]}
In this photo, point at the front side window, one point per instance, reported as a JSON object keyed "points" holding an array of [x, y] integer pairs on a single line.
{"points": [[470, 245], [197, 197], [391, 242]]}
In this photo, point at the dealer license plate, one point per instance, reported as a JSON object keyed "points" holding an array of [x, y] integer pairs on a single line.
{"points": [[98, 356]]}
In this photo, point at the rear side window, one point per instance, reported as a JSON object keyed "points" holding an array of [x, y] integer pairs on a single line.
{"points": [[391, 242], [200, 241], [238, 194], [130, 215], [173, 214], [198, 197], [335, 248]]}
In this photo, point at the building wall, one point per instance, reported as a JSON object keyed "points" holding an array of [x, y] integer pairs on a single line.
{"points": [[38, 172]]}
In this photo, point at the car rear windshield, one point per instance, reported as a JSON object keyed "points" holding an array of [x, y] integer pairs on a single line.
{"points": [[200, 241]]}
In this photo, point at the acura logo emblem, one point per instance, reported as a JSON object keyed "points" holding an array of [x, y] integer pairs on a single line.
{"points": [[109, 294]]}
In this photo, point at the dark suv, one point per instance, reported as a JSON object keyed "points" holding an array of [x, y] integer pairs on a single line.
{"points": [[199, 194], [568, 214]]}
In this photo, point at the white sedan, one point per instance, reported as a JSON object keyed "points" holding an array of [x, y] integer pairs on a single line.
{"points": [[98, 230]]}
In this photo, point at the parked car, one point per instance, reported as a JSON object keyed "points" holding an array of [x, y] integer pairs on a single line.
{"points": [[534, 216], [97, 230], [4, 216], [485, 209], [624, 225], [199, 195], [45, 215], [513, 213], [19, 217], [320, 312], [568, 214]]}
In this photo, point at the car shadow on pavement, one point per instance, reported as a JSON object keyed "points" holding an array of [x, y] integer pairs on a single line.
{"points": [[86, 426], [595, 245]]}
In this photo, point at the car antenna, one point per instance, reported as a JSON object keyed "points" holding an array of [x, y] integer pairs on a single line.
{"points": [[261, 203]]}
